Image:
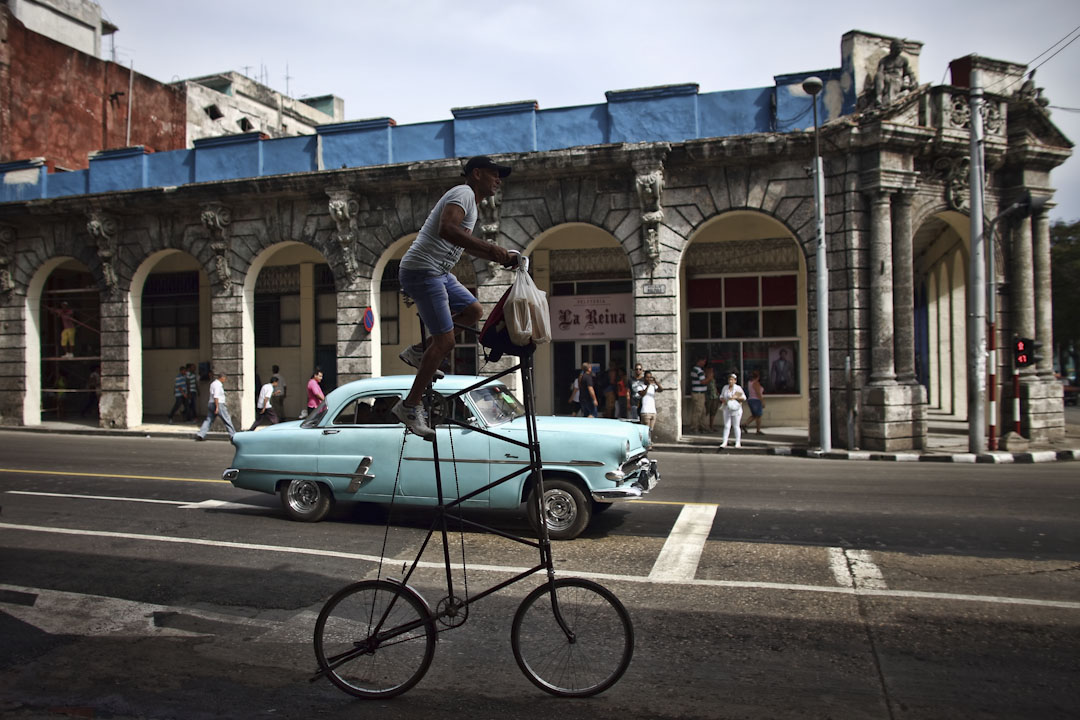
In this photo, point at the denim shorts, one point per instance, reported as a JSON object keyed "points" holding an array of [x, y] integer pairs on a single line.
{"points": [[755, 407], [437, 298]]}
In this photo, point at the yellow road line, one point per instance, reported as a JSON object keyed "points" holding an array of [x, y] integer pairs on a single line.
{"points": [[107, 475]]}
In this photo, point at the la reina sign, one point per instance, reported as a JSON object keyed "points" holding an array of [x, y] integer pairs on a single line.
{"points": [[589, 317]]}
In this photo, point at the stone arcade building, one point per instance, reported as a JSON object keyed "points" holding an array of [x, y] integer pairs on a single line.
{"points": [[665, 224]]}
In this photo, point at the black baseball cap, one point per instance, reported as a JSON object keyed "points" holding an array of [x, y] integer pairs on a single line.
{"points": [[483, 162]]}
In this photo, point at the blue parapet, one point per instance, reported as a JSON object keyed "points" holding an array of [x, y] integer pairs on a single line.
{"points": [[423, 141], [666, 112], [735, 112], [290, 155], [229, 157], [489, 129], [168, 169], [793, 109], [76, 182], [355, 144], [119, 169], [23, 180], [571, 126]]}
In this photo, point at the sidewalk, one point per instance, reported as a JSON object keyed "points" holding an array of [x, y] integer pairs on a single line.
{"points": [[947, 441]]}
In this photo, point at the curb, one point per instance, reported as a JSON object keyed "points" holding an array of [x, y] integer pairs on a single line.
{"points": [[995, 458]]}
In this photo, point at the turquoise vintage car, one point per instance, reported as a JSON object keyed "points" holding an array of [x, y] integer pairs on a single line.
{"points": [[348, 449]]}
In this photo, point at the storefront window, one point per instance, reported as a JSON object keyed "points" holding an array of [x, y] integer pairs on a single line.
{"points": [[745, 323]]}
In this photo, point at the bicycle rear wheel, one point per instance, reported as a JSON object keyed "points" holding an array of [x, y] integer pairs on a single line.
{"points": [[590, 661], [375, 639]]}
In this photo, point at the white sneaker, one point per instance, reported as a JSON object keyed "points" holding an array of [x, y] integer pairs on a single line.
{"points": [[738, 445], [414, 419], [412, 355]]}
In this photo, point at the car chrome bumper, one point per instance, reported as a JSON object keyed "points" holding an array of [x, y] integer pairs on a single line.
{"points": [[644, 480]]}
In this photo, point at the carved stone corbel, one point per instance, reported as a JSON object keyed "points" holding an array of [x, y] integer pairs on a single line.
{"points": [[344, 208], [103, 228], [956, 175], [7, 258], [650, 190], [216, 218]]}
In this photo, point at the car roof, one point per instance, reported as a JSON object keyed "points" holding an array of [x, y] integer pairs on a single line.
{"points": [[401, 383]]}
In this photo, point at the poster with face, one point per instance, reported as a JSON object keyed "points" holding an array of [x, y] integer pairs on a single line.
{"points": [[781, 378]]}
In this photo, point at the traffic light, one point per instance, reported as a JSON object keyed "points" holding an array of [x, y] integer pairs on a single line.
{"points": [[1026, 351]]}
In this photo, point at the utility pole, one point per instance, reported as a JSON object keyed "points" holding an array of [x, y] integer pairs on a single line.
{"points": [[812, 86], [976, 324]]}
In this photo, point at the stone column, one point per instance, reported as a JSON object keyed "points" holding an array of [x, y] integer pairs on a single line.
{"points": [[903, 289], [1044, 311], [882, 366], [115, 378], [227, 353], [1021, 287]]}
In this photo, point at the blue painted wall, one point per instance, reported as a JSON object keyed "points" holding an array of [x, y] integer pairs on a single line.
{"points": [[672, 113]]}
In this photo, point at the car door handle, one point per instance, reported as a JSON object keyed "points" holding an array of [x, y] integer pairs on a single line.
{"points": [[330, 432]]}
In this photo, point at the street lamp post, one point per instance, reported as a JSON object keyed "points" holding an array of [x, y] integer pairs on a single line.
{"points": [[812, 86]]}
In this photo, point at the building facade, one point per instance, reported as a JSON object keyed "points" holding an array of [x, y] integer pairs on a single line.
{"points": [[664, 224]]}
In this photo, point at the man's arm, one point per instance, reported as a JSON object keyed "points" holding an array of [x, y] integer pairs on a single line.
{"points": [[450, 231]]}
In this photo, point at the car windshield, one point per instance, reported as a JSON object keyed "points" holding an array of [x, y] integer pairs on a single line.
{"points": [[496, 405], [315, 416]]}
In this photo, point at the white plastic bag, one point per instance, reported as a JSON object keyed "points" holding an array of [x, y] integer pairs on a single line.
{"points": [[526, 310]]}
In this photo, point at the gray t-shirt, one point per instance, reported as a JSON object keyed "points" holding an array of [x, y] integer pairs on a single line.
{"points": [[428, 251]]}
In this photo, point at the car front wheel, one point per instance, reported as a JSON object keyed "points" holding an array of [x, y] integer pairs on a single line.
{"points": [[305, 500], [566, 510]]}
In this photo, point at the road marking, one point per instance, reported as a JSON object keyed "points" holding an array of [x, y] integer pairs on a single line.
{"points": [[732, 584], [678, 559], [182, 504], [109, 475], [855, 569]]}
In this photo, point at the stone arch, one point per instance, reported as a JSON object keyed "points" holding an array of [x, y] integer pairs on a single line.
{"points": [[136, 355], [569, 260], [761, 256], [34, 330], [941, 246], [408, 330], [297, 369]]}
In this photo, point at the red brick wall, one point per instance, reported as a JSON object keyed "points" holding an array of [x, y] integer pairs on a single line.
{"points": [[59, 103]]}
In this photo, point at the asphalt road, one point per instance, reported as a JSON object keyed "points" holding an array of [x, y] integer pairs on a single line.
{"points": [[133, 583]]}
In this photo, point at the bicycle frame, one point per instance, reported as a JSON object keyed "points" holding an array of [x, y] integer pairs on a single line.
{"points": [[443, 512]]}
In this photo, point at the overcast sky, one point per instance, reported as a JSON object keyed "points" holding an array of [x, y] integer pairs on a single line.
{"points": [[413, 60]]}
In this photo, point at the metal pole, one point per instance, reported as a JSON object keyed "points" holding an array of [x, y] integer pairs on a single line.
{"points": [[991, 313], [131, 89], [976, 327], [812, 86]]}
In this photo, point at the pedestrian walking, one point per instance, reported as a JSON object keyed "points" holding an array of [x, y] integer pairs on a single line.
{"points": [[314, 392], [280, 392], [622, 395], [732, 396], [181, 397], [265, 414], [650, 386], [698, 388], [637, 384], [575, 393], [712, 397], [193, 391], [216, 408], [425, 277], [755, 398], [587, 391]]}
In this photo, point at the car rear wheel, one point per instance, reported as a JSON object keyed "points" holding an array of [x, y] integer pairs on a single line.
{"points": [[305, 500], [566, 510]]}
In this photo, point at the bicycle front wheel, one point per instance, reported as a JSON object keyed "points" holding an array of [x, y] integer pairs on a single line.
{"points": [[592, 657], [374, 639]]}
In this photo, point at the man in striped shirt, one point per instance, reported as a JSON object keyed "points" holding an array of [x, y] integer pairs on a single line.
{"points": [[698, 387], [180, 394]]}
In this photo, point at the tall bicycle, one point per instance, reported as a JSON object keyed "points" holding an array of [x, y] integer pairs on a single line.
{"points": [[571, 637]]}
